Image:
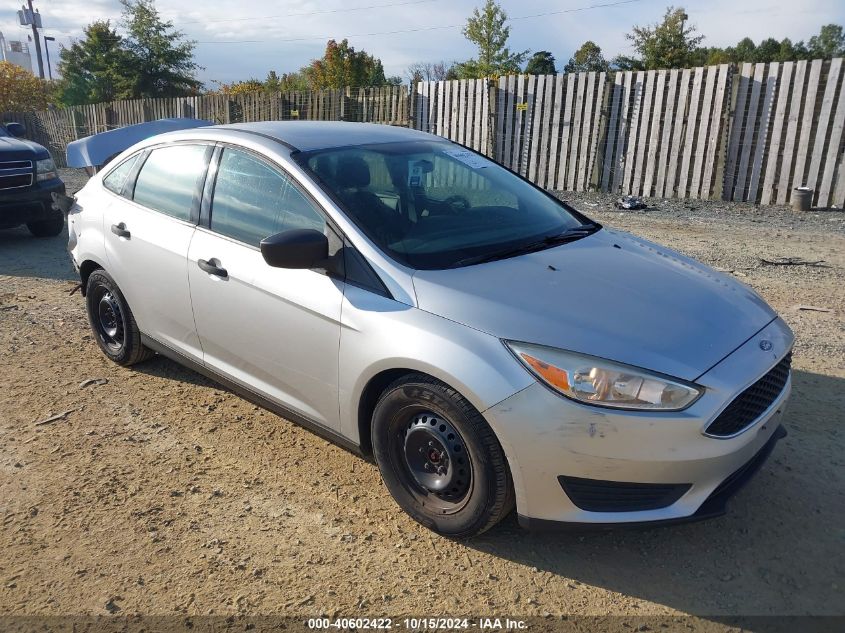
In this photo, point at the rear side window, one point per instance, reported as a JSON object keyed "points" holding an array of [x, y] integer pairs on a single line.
{"points": [[117, 178], [252, 200], [169, 179]]}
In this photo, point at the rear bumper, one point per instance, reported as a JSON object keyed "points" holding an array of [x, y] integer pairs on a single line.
{"points": [[29, 205]]}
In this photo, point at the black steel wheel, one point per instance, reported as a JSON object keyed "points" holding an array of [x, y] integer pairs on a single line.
{"points": [[435, 460], [112, 321], [109, 324], [438, 457]]}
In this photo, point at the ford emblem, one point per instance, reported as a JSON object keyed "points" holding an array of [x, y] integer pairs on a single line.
{"points": [[765, 345]]}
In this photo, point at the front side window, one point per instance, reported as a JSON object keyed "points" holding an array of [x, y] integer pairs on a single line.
{"points": [[252, 200], [433, 204], [115, 180], [170, 178]]}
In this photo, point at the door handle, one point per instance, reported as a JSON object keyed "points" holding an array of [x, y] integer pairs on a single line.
{"points": [[120, 230], [211, 269]]}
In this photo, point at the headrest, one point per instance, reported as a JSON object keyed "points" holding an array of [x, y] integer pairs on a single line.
{"points": [[324, 168], [352, 171]]}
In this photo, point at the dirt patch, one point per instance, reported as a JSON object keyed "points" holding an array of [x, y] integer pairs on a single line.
{"points": [[161, 493]]}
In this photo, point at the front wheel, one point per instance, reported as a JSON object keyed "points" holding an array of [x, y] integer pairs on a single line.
{"points": [[439, 459], [112, 322]]}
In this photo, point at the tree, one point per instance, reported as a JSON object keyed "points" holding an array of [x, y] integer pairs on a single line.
{"points": [[669, 44], [341, 66], [93, 69], [624, 62], [273, 83], [769, 50], [488, 30], [830, 42], [744, 51], [588, 58], [374, 71], [790, 51], [427, 71], [20, 90], [541, 63], [160, 61], [241, 87], [287, 82]]}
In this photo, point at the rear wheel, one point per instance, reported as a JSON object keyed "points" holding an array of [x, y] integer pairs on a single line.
{"points": [[50, 227], [112, 321], [440, 460]]}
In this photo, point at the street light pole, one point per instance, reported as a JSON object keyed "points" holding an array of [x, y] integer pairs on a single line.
{"points": [[37, 40], [47, 50]]}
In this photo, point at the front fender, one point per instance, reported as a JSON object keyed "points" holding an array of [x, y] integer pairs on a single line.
{"points": [[379, 334]]}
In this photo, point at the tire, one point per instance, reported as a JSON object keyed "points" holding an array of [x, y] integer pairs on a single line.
{"points": [[47, 228], [112, 322], [420, 426]]}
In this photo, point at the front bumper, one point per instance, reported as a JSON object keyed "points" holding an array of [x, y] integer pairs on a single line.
{"points": [[546, 436], [29, 205]]}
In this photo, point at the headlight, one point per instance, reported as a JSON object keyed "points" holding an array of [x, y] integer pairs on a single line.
{"points": [[45, 169], [602, 382]]}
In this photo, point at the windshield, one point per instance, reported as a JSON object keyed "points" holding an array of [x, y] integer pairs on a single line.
{"points": [[3, 131], [434, 204]]}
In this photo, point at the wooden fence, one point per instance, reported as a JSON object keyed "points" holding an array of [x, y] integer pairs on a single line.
{"points": [[750, 133], [57, 127]]}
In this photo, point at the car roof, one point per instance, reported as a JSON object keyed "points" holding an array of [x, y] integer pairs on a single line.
{"points": [[307, 136]]}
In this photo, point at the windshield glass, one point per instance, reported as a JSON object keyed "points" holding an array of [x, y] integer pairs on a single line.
{"points": [[3, 131], [433, 204]]}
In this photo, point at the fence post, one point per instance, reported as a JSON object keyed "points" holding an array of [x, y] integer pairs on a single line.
{"points": [[412, 106], [110, 116], [76, 117], [492, 111], [348, 106], [601, 133], [721, 176]]}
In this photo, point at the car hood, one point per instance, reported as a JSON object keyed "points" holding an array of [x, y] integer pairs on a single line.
{"points": [[611, 295], [12, 148]]}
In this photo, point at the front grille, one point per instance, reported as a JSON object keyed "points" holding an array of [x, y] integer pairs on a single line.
{"points": [[595, 495], [15, 174], [751, 403]]}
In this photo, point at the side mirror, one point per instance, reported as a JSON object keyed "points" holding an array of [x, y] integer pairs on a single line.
{"points": [[15, 129], [297, 248]]}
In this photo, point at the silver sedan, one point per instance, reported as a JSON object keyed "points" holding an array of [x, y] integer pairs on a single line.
{"points": [[406, 297]]}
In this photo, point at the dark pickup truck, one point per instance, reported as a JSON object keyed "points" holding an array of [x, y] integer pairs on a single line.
{"points": [[28, 177]]}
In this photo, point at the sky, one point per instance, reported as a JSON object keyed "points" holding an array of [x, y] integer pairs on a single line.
{"points": [[284, 36]]}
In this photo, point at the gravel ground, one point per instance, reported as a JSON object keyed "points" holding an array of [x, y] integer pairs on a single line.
{"points": [[161, 493]]}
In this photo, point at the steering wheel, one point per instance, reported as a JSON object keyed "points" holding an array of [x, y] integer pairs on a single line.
{"points": [[457, 203]]}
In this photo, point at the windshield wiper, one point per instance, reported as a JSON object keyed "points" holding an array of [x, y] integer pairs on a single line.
{"points": [[570, 235]]}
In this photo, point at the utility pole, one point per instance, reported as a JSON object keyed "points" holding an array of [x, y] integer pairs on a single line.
{"points": [[37, 39]]}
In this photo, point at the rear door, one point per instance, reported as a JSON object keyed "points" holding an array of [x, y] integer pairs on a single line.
{"points": [[148, 228], [275, 331]]}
